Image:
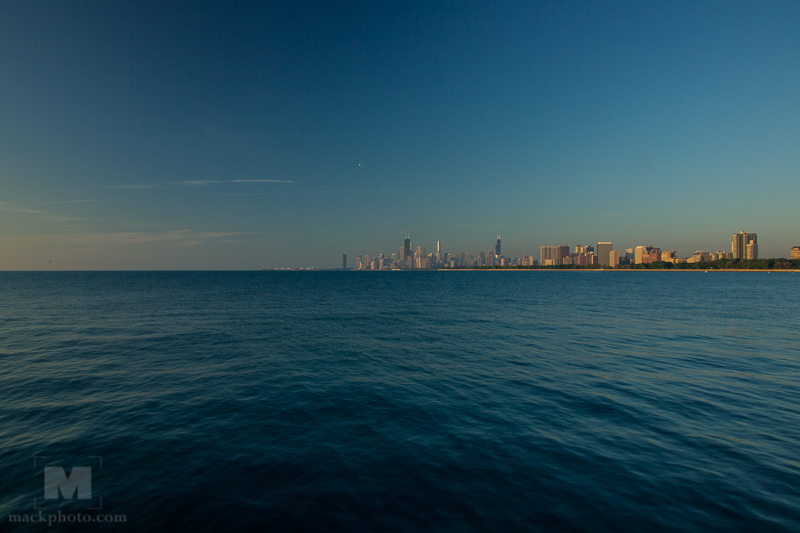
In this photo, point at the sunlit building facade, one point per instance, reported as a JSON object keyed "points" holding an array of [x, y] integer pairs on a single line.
{"points": [[548, 255], [744, 245]]}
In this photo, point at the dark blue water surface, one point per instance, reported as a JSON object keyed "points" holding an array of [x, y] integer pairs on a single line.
{"points": [[415, 401]]}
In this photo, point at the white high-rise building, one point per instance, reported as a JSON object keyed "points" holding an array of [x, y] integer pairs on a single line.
{"points": [[613, 258], [751, 250], [639, 254]]}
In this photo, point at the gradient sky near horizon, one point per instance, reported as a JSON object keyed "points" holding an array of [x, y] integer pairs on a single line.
{"points": [[235, 135]]}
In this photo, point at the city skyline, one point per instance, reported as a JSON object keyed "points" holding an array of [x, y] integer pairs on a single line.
{"points": [[200, 135], [744, 246]]}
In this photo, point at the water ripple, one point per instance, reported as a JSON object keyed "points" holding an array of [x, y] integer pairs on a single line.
{"points": [[407, 401]]}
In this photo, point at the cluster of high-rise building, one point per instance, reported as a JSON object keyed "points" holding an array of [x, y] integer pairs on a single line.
{"points": [[582, 256], [744, 246], [409, 258]]}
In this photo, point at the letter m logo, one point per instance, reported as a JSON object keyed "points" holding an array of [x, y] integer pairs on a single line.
{"points": [[79, 480]]}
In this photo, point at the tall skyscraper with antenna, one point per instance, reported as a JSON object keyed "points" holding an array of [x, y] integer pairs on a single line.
{"points": [[497, 247]]}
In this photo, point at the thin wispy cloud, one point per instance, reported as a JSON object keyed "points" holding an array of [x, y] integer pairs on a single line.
{"points": [[185, 183], [196, 183], [305, 192], [182, 237], [21, 210], [134, 186], [65, 202], [77, 219], [261, 181], [45, 215]]}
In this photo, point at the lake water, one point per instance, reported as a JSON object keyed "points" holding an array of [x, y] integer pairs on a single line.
{"points": [[404, 401]]}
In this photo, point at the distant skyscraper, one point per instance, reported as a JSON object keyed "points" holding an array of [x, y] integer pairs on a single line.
{"points": [[603, 249], [794, 253], [497, 247], [548, 255], [359, 264], [751, 250], [407, 249], [344, 262], [613, 258], [744, 245], [563, 252], [639, 254]]}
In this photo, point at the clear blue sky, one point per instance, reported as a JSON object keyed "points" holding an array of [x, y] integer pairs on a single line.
{"points": [[238, 135]]}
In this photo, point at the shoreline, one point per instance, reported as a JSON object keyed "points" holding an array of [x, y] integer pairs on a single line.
{"points": [[765, 271]]}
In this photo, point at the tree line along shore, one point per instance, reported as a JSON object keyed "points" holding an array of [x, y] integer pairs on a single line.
{"points": [[722, 264]]}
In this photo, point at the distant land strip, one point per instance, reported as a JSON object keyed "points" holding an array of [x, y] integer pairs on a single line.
{"points": [[500, 269]]}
